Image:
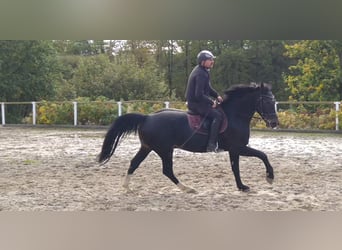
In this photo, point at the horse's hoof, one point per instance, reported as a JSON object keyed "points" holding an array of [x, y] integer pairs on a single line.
{"points": [[127, 190], [269, 178], [244, 188], [192, 191], [186, 189], [189, 190]]}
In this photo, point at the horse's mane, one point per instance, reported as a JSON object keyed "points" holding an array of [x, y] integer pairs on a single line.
{"points": [[240, 90]]}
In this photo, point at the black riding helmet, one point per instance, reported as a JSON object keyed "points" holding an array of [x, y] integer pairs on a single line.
{"points": [[204, 55]]}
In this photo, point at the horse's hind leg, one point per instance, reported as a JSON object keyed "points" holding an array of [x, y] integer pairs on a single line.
{"points": [[135, 162], [168, 171]]}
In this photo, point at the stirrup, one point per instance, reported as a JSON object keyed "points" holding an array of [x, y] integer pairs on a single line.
{"points": [[210, 148]]}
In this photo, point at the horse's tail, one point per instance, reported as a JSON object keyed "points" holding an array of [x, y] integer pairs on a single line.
{"points": [[122, 126]]}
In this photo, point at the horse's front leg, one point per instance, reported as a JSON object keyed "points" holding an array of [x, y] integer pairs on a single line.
{"points": [[247, 151], [234, 161]]}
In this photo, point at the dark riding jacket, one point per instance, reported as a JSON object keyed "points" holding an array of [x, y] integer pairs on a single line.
{"points": [[199, 90]]}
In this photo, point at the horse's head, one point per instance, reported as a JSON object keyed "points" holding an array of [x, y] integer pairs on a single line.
{"points": [[245, 100], [266, 106]]}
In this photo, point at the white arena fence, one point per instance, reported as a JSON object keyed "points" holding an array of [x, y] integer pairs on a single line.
{"points": [[31, 113]]}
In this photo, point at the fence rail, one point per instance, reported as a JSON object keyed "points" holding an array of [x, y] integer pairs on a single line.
{"points": [[31, 111]]}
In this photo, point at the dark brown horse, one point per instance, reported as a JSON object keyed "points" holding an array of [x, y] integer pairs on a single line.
{"points": [[168, 129]]}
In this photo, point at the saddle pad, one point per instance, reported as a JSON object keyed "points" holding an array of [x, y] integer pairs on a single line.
{"points": [[196, 123]]}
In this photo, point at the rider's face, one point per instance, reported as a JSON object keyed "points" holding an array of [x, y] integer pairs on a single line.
{"points": [[209, 63]]}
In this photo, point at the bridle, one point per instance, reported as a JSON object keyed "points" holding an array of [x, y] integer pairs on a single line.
{"points": [[260, 108]]}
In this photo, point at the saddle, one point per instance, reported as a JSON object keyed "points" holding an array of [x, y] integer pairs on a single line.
{"points": [[202, 124]]}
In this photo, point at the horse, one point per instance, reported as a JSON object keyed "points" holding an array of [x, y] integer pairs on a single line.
{"points": [[167, 129]]}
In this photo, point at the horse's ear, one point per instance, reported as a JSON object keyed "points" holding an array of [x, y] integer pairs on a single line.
{"points": [[269, 86], [254, 84], [266, 85]]}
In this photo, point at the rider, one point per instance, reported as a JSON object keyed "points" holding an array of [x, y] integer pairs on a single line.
{"points": [[198, 93]]}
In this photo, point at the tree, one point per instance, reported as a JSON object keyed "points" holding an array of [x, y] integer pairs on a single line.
{"points": [[80, 47], [237, 61], [168, 62], [88, 79], [231, 67], [29, 70], [316, 76], [267, 63]]}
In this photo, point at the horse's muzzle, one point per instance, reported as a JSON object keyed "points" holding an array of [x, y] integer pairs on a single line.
{"points": [[271, 120], [273, 123]]}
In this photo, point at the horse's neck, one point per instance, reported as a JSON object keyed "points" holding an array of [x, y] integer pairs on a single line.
{"points": [[243, 108]]}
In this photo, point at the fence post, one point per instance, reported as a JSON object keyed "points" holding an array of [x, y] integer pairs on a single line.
{"points": [[34, 113], [167, 105], [337, 107], [3, 113], [119, 108], [276, 107], [75, 113]]}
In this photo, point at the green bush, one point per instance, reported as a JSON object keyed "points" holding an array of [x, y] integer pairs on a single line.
{"points": [[55, 113], [323, 119], [103, 111], [143, 107], [98, 112], [178, 105]]}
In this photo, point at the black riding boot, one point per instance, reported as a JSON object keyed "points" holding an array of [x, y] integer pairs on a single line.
{"points": [[214, 131]]}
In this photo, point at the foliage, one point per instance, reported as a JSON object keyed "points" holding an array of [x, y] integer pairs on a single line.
{"points": [[143, 107], [88, 78], [97, 72], [317, 74], [98, 112], [103, 112], [307, 121], [231, 67], [97, 76], [79, 47], [133, 82], [314, 121], [178, 105], [63, 70], [55, 113], [28, 70]]}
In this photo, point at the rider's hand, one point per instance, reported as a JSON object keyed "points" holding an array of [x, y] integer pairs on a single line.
{"points": [[214, 104], [220, 99]]}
